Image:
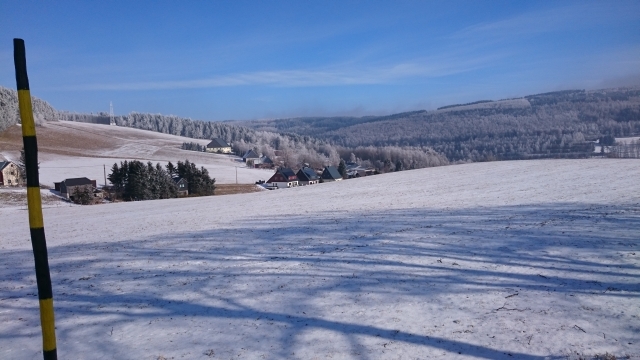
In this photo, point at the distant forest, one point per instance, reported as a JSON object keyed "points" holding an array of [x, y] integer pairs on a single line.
{"points": [[9, 112], [560, 124], [551, 125], [295, 149]]}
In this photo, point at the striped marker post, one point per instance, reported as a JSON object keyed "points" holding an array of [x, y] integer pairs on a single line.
{"points": [[36, 223]]}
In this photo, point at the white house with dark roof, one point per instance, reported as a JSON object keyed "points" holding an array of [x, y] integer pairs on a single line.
{"points": [[250, 155], [218, 145], [307, 176], [9, 174]]}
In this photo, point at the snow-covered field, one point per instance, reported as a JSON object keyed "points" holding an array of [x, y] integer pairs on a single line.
{"points": [[73, 149], [54, 168], [502, 260], [16, 197]]}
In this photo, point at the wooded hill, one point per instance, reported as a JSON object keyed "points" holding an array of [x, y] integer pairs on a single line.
{"points": [[294, 149], [556, 124], [552, 125], [10, 114]]}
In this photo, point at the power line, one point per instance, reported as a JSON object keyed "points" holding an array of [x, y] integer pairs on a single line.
{"points": [[68, 167], [112, 121]]}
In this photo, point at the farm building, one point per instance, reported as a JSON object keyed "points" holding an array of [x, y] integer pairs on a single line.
{"points": [[67, 187], [9, 174]]}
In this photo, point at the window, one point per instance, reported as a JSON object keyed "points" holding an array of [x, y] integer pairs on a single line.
{"points": [[8, 181]]}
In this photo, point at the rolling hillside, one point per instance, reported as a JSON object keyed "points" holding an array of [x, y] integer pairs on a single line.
{"points": [[503, 260], [73, 149]]}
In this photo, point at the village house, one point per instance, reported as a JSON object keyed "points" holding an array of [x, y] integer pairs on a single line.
{"points": [[218, 145], [183, 186], [264, 163], [330, 173], [307, 176], [250, 157], [261, 162], [68, 187], [283, 178], [9, 174]]}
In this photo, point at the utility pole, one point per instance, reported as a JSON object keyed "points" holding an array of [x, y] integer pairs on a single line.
{"points": [[236, 175], [104, 167]]}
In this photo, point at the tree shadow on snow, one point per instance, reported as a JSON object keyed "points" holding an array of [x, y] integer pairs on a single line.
{"points": [[273, 273]]}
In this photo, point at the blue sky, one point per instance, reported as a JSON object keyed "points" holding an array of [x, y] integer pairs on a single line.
{"points": [[268, 59]]}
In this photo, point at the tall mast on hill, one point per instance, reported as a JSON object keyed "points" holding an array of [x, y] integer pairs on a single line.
{"points": [[112, 121]]}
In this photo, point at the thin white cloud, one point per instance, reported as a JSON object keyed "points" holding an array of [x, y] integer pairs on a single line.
{"points": [[550, 20], [308, 78]]}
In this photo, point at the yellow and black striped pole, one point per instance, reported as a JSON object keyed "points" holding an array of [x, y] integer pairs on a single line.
{"points": [[36, 223]]}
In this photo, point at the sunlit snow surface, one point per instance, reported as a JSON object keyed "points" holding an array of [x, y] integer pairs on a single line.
{"points": [[503, 260], [73, 149]]}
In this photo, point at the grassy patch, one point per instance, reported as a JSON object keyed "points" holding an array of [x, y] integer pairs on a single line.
{"points": [[228, 189]]}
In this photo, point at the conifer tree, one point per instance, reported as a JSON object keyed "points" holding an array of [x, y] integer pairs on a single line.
{"points": [[342, 169], [399, 166]]}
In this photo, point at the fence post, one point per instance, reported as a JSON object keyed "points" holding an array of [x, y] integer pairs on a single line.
{"points": [[36, 222]]}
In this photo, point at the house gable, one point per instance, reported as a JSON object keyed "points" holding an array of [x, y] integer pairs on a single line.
{"points": [[183, 186], [277, 177], [249, 155], [331, 173], [283, 175], [307, 174], [288, 174], [9, 174]]}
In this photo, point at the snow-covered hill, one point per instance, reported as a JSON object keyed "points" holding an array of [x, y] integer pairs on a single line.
{"points": [[72, 149], [502, 260]]}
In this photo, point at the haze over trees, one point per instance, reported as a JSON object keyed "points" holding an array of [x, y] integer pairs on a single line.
{"points": [[562, 124], [557, 124], [294, 149]]}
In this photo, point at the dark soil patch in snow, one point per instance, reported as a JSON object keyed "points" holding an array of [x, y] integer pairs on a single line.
{"points": [[229, 189]]}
